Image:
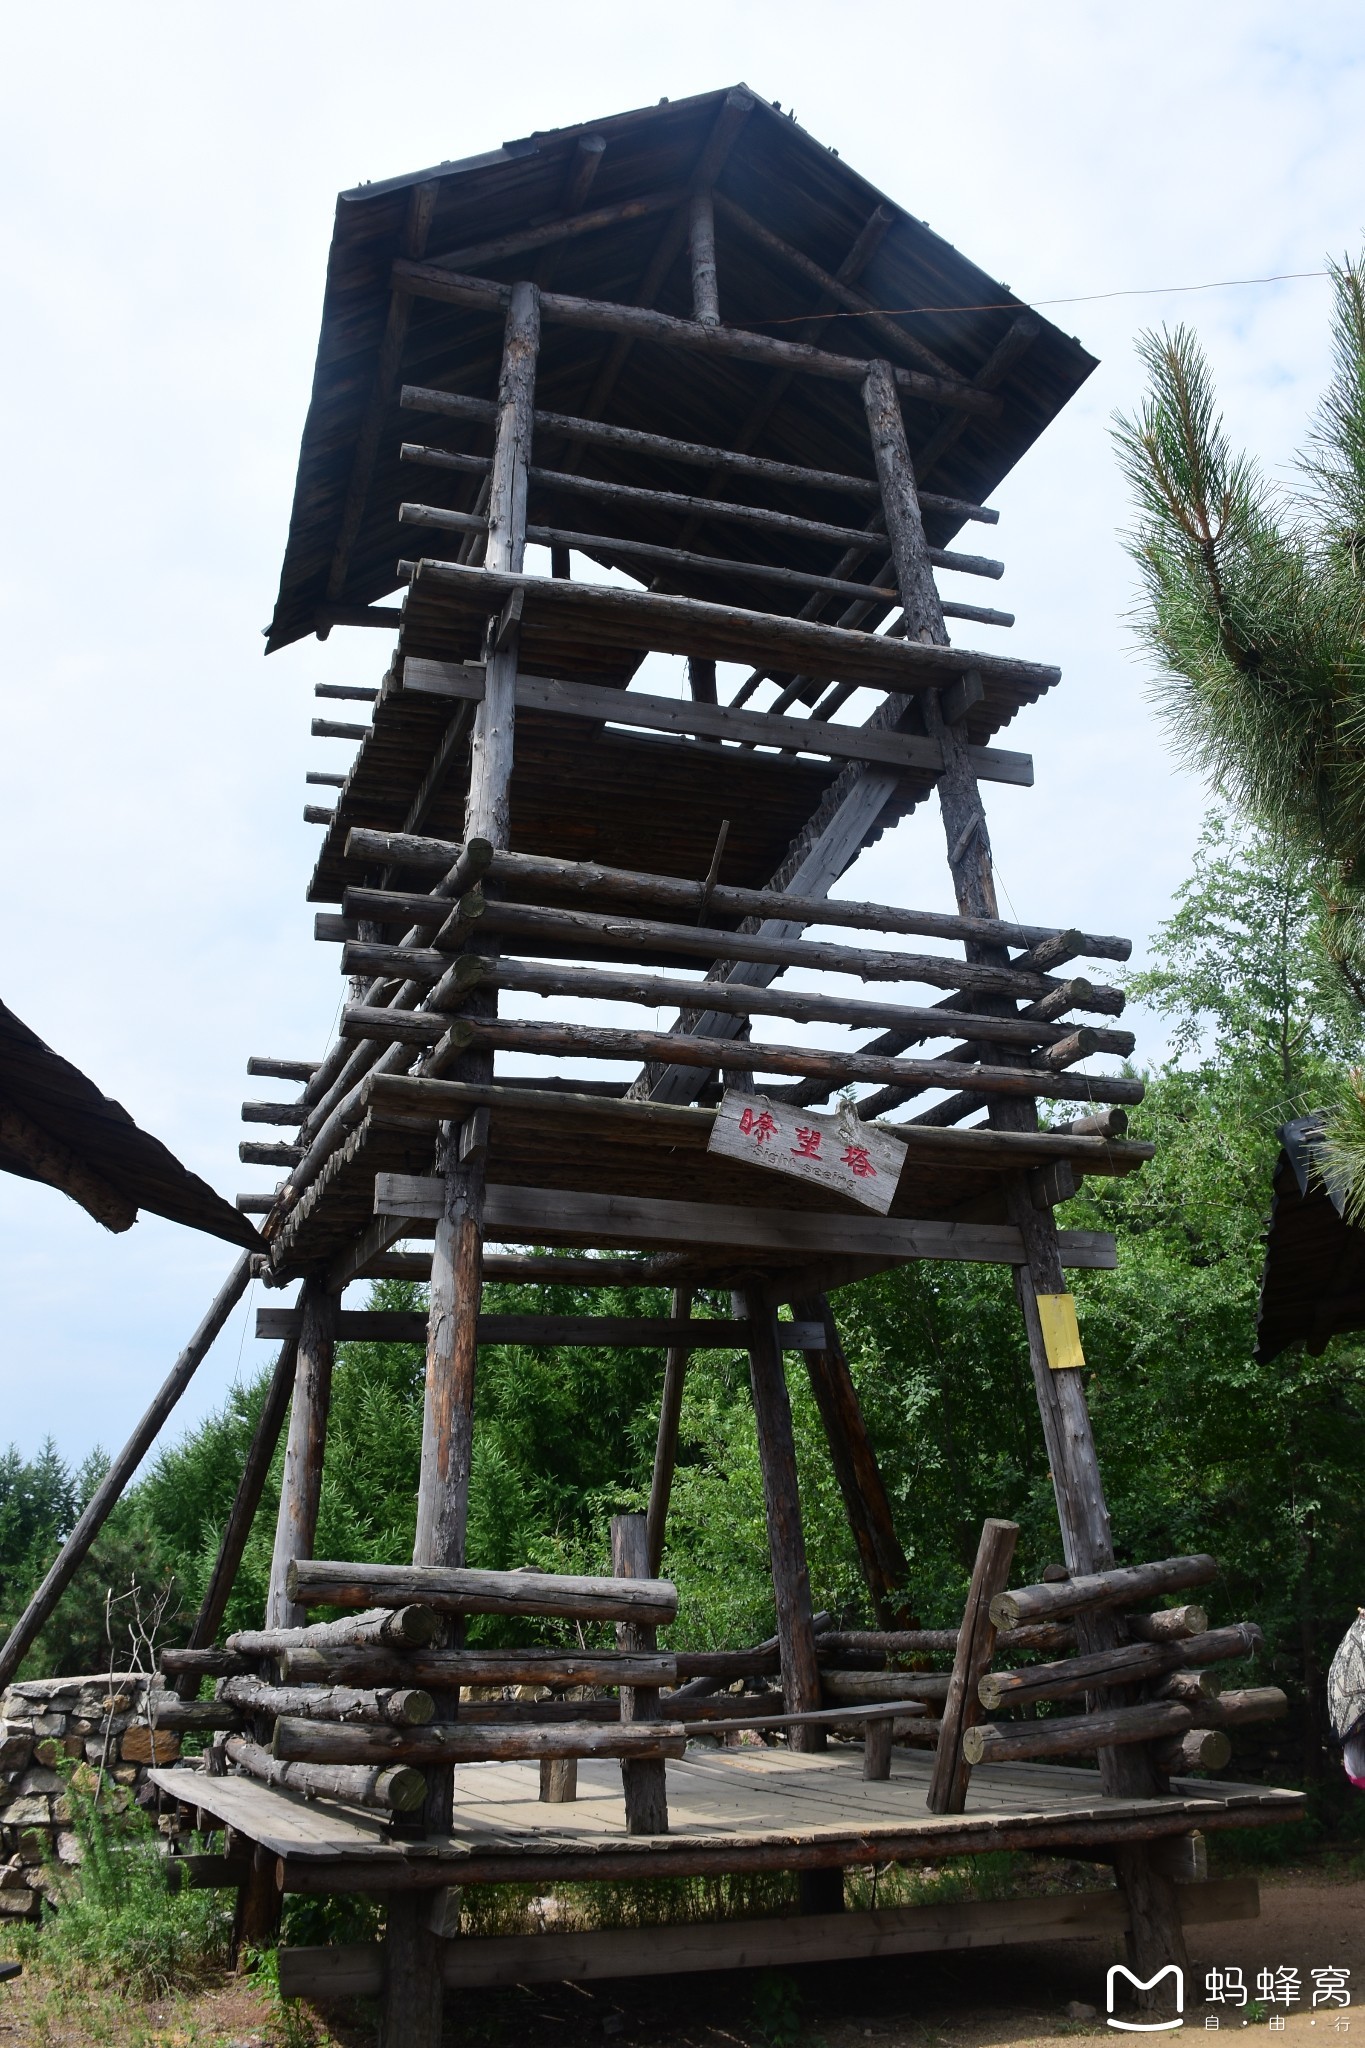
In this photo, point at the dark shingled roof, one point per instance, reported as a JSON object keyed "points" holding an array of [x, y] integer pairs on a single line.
{"points": [[1313, 1286], [56, 1127], [372, 341]]}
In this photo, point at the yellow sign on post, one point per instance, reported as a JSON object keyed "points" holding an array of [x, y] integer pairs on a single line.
{"points": [[1061, 1337]]}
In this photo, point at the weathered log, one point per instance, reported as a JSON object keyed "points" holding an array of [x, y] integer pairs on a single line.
{"points": [[444, 1670], [412, 1094], [404, 1706], [803, 1006], [588, 1041], [573, 927], [666, 1437], [1126, 1664], [453, 1742], [198, 1664], [281, 1070], [395, 1788], [693, 453], [630, 496], [168, 1710], [242, 1514], [1089, 1592], [877, 1751], [1168, 1624], [853, 1687], [456, 1590], [1194, 1687], [782, 1506], [1250, 1703], [991, 1743], [589, 878], [705, 719], [818, 1720], [1198, 1749], [856, 1470], [644, 323], [407, 1627], [643, 1779], [909, 1642], [975, 1647], [301, 1490]]}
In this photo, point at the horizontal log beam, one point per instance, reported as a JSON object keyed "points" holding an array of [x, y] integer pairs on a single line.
{"points": [[460, 684], [1247, 1703], [639, 497], [411, 1095], [547, 925], [392, 1788], [702, 455], [315, 1582], [907, 1642], [477, 1962], [588, 878], [1074, 1734], [608, 616], [1089, 1593], [520, 1215], [402, 1705], [409, 1326], [644, 323], [1127, 1664], [444, 1670], [656, 991], [455, 1742], [586, 1041], [405, 1627]]}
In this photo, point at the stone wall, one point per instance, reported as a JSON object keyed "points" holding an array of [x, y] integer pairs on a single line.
{"points": [[102, 1725]]}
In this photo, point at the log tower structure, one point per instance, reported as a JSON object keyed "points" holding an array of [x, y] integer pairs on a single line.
{"points": [[679, 384]]}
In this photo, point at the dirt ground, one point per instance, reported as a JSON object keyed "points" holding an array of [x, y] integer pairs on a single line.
{"points": [[1000, 1998]]}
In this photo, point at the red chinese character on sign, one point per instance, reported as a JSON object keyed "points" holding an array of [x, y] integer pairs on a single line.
{"points": [[759, 1127], [858, 1163], [807, 1144]]}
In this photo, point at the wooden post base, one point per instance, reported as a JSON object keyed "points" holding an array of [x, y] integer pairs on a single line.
{"points": [[1156, 1936], [877, 1750], [558, 1780], [413, 1987], [256, 1923]]}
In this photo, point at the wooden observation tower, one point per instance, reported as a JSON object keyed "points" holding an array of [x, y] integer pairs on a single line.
{"points": [[649, 388]]}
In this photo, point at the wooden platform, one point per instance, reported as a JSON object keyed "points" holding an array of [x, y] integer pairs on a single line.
{"points": [[728, 1810]]}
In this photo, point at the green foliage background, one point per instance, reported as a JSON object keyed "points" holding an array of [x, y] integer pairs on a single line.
{"points": [[1201, 1447]]}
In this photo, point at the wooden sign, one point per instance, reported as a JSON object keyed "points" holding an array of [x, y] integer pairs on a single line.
{"points": [[833, 1151], [1061, 1335]]}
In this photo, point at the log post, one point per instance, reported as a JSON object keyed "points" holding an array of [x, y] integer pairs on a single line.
{"points": [[701, 243], [247, 1499], [643, 1778], [457, 1254], [856, 1469], [260, 1901], [1076, 1479], [413, 1987], [666, 1447], [782, 1502], [975, 1644], [302, 1488]]}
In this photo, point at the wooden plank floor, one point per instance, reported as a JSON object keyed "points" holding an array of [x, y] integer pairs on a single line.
{"points": [[728, 1809]]}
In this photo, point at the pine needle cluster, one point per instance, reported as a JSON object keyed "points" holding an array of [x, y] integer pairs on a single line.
{"points": [[1253, 604]]}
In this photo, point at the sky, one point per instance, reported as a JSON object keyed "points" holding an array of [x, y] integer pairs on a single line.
{"points": [[169, 177]]}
